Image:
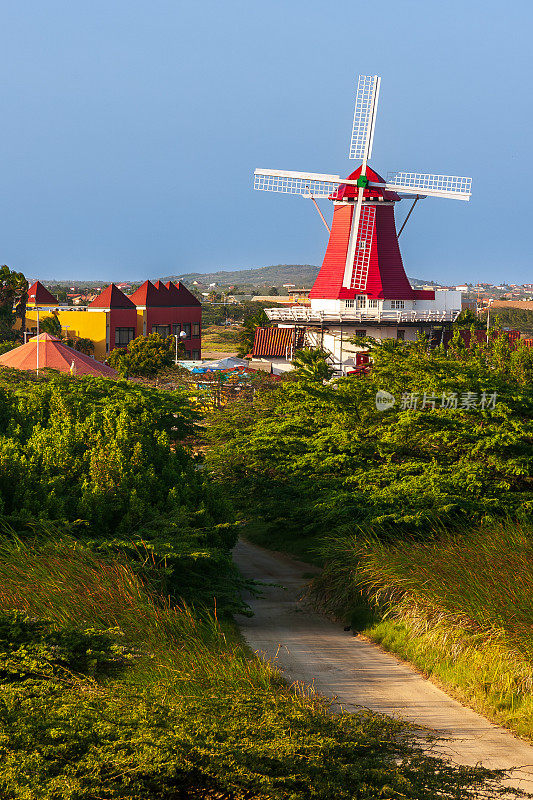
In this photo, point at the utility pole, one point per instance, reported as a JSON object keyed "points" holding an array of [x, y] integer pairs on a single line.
{"points": [[37, 341]]}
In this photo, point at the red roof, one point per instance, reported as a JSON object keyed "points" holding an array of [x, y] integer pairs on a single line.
{"points": [[167, 295], [164, 294], [112, 297], [147, 295], [54, 355], [273, 342], [39, 294], [180, 295], [370, 193]]}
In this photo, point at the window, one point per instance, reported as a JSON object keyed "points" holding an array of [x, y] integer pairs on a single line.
{"points": [[373, 303], [195, 355], [397, 304], [187, 329], [196, 329], [360, 333], [123, 336], [401, 335], [361, 300], [176, 328], [349, 304], [162, 330]]}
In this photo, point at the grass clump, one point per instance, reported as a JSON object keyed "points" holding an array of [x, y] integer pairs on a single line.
{"points": [[108, 692], [459, 606]]}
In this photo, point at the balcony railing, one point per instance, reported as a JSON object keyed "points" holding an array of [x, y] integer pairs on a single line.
{"points": [[309, 315]]}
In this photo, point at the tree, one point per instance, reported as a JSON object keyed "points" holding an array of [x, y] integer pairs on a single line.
{"points": [[13, 297], [145, 356], [84, 346], [311, 364], [255, 320], [273, 292], [51, 325], [467, 318]]}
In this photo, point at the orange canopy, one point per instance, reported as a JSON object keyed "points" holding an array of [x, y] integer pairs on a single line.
{"points": [[54, 355]]}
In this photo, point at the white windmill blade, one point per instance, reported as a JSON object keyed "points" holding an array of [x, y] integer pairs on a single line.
{"points": [[306, 184], [364, 118], [449, 186]]}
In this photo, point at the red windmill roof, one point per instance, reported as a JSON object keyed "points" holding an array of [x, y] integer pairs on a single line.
{"points": [[39, 294], [54, 355], [112, 297], [346, 191], [180, 295]]}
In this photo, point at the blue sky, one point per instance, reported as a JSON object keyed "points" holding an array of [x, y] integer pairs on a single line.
{"points": [[130, 131]]}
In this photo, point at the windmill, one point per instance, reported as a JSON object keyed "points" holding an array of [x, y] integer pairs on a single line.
{"points": [[363, 259]]}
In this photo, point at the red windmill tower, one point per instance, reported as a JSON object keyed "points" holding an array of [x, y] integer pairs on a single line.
{"points": [[362, 278]]}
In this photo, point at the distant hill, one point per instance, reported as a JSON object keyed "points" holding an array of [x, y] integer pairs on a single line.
{"points": [[263, 277], [299, 274]]}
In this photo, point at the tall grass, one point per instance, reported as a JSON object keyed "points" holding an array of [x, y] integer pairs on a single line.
{"points": [[197, 716], [68, 584], [459, 606], [480, 580]]}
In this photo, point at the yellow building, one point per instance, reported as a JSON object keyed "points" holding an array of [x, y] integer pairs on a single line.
{"points": [[113, 319]]}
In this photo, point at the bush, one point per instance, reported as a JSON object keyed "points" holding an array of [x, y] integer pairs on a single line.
{"points": [[144, 356], [312, 460], [104, 457]]}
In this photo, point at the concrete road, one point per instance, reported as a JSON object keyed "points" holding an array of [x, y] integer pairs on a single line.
{"points": [[309, 648]]}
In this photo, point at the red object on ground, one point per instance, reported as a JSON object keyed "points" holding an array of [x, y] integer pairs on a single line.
{"points": [[54, 355]]}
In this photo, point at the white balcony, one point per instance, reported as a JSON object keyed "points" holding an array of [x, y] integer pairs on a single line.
{"points": [[305, 315]]}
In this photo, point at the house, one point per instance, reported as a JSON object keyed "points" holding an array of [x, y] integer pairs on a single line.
{"points": [[113, 319]]}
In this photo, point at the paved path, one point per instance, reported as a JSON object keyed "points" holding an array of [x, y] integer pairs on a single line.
{"points": [[310, 648]]}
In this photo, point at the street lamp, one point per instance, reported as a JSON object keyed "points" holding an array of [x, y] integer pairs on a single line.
{"points": [[177, 336]]}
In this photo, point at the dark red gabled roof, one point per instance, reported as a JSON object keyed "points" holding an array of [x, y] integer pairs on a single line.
{"points": [[147, 295], [180, 295], [164, 294], [39, 294], [112, 297]]}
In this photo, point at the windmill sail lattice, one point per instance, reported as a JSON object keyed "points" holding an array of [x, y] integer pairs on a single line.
{"points": [[436, 185], [306, 184], [364, 116], [364, 246]]}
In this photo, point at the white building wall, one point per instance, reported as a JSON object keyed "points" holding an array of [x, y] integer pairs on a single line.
{"points": [[328, 306], [445, 300]]}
